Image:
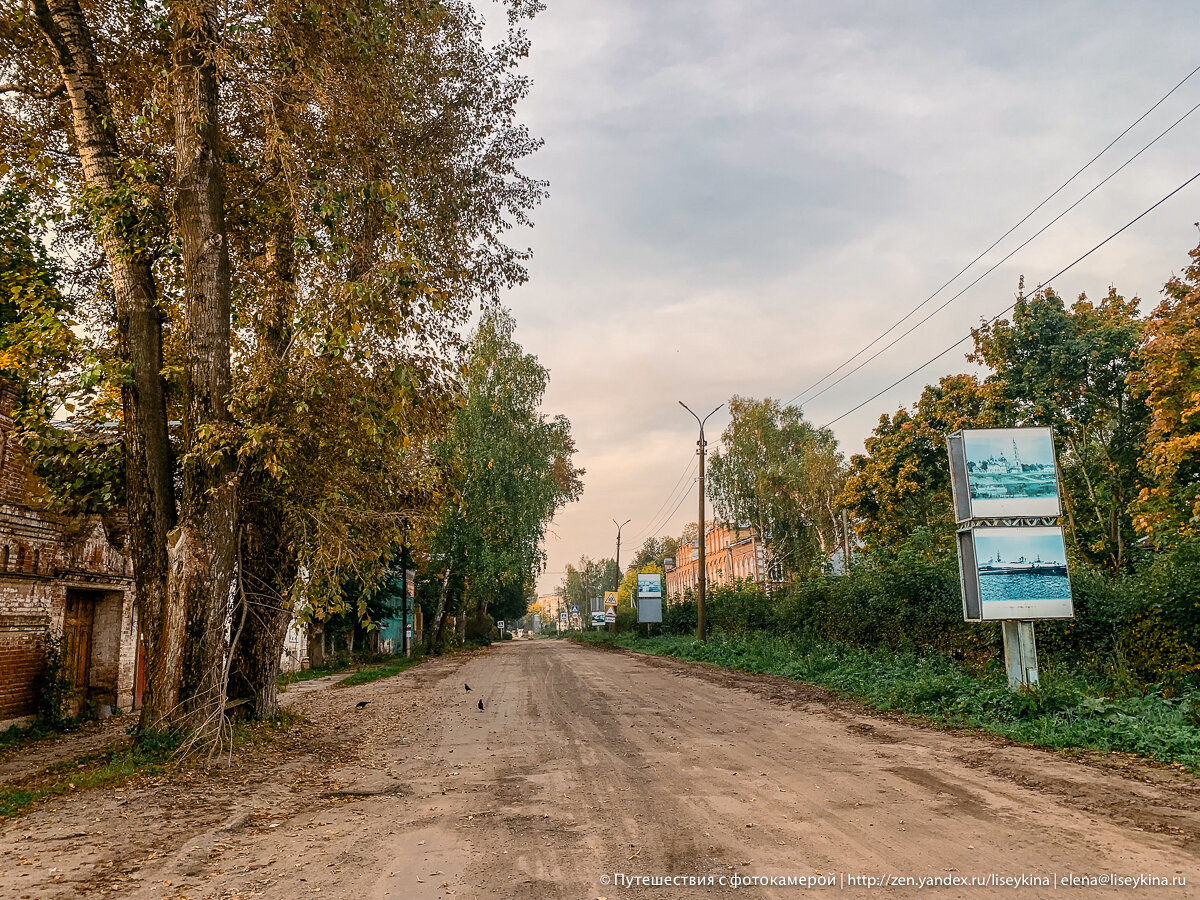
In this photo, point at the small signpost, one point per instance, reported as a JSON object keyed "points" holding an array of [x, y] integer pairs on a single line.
{"points": [[610, 609], [598, 619], [1012, 556]]}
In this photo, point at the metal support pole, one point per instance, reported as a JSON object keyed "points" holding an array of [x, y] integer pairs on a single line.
{"points": [[1020, 654], [701, 575], [619, 527]]}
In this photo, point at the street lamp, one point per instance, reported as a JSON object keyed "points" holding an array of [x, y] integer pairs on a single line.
{"points": [[700, 575], [619, 527]]}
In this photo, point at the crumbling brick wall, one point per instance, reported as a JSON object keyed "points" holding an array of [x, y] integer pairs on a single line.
{"points": [[42, 556]]}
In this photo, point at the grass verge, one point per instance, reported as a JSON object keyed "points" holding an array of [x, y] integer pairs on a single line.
{"points": [[114, 766], [1069, 711], [374, 673], [286, 678], [103, 768]]}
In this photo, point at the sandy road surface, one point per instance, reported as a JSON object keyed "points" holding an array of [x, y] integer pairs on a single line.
{"points": [[586, 763]]}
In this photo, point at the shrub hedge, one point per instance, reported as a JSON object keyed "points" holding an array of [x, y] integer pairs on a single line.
{"points": [[1137, 629]]}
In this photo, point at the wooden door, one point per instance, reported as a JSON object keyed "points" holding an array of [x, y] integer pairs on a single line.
{"points": [[77, 637]]}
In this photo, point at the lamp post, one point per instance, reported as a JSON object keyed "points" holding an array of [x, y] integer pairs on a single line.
{"points": [[701, 576], [619, 527]]}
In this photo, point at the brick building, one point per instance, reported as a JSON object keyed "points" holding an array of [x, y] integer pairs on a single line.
{"points": [[60, 576], [730, 554]]}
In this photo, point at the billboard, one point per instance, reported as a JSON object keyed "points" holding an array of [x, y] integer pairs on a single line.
{"points": [[1014, 572], [649, 610], [1001, 473], [649, 587]]}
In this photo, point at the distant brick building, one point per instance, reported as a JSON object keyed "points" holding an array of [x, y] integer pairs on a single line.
{"points": [[730, 554], [61, 576]]}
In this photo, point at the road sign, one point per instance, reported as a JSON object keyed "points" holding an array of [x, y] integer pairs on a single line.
{"points": [[500, 624], [598, 619], [610, 614], [610, 598], [574, 610], [562, 617]]}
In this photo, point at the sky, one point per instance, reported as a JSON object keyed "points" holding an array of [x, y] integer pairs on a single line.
{"points": [[743, 194]]}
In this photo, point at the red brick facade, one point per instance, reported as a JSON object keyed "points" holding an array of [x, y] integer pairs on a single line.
{"points": [[730, 554], [58, 576]]}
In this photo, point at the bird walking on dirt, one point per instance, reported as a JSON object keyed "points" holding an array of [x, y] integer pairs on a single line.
{"points": [[361, 703], [481, 706], [467, 686]]}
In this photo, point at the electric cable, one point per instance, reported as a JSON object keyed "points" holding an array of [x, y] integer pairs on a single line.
{"points": [[999, 262], [992, 246], [1012, 305]]}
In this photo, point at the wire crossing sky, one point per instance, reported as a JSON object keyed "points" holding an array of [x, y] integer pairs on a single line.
{"points": [[743, 194]]}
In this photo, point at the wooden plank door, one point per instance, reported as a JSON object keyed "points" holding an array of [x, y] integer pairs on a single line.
{"points": [[77, 638]]}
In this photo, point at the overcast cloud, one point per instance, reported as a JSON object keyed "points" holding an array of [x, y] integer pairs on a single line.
{"points": [[742, 194]]}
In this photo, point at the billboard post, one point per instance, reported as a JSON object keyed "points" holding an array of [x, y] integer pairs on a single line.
{"points": [[1012, 556]]}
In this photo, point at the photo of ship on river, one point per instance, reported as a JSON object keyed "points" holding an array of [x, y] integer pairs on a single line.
{"points": [[1022, 572], [1011, 472]]}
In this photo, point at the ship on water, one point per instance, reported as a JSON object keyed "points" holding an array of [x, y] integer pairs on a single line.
{"points": [[1022, 566]]}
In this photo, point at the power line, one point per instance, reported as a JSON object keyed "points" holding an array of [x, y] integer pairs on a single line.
{"points": [[682, 497], [1012, 305], [1000, 262], [992, 246], [671, 493], [682, 487]]}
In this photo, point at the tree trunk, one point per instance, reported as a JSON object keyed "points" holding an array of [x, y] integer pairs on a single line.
{"points": [[439, 616], [268, 564], [149, 485], [316, 646], [204, 544], [268, 570]]}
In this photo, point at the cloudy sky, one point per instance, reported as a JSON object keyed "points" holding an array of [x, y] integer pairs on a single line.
{"points": [[743, 194]]}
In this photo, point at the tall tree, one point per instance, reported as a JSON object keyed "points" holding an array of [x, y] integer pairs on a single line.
{"points": [[902, 482], [509, 468], [333, 181], [655, 550], [778, 474], [1067, 367], [1167, 508]]}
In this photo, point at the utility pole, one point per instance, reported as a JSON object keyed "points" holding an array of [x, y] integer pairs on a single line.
{"points": [[701, 575], [619, 527], [612, 626]]}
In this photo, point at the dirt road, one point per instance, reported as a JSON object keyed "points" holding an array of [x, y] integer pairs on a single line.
{"points": [[587, 765]]}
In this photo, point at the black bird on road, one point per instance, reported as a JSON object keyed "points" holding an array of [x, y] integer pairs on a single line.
{"points": [[467, 686], [481, 705], [361, 703]]}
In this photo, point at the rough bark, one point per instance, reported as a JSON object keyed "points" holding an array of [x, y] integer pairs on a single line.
{"points": [[439, 616], [268, 573], [203, 547], [268, 563], [148, 465]]}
